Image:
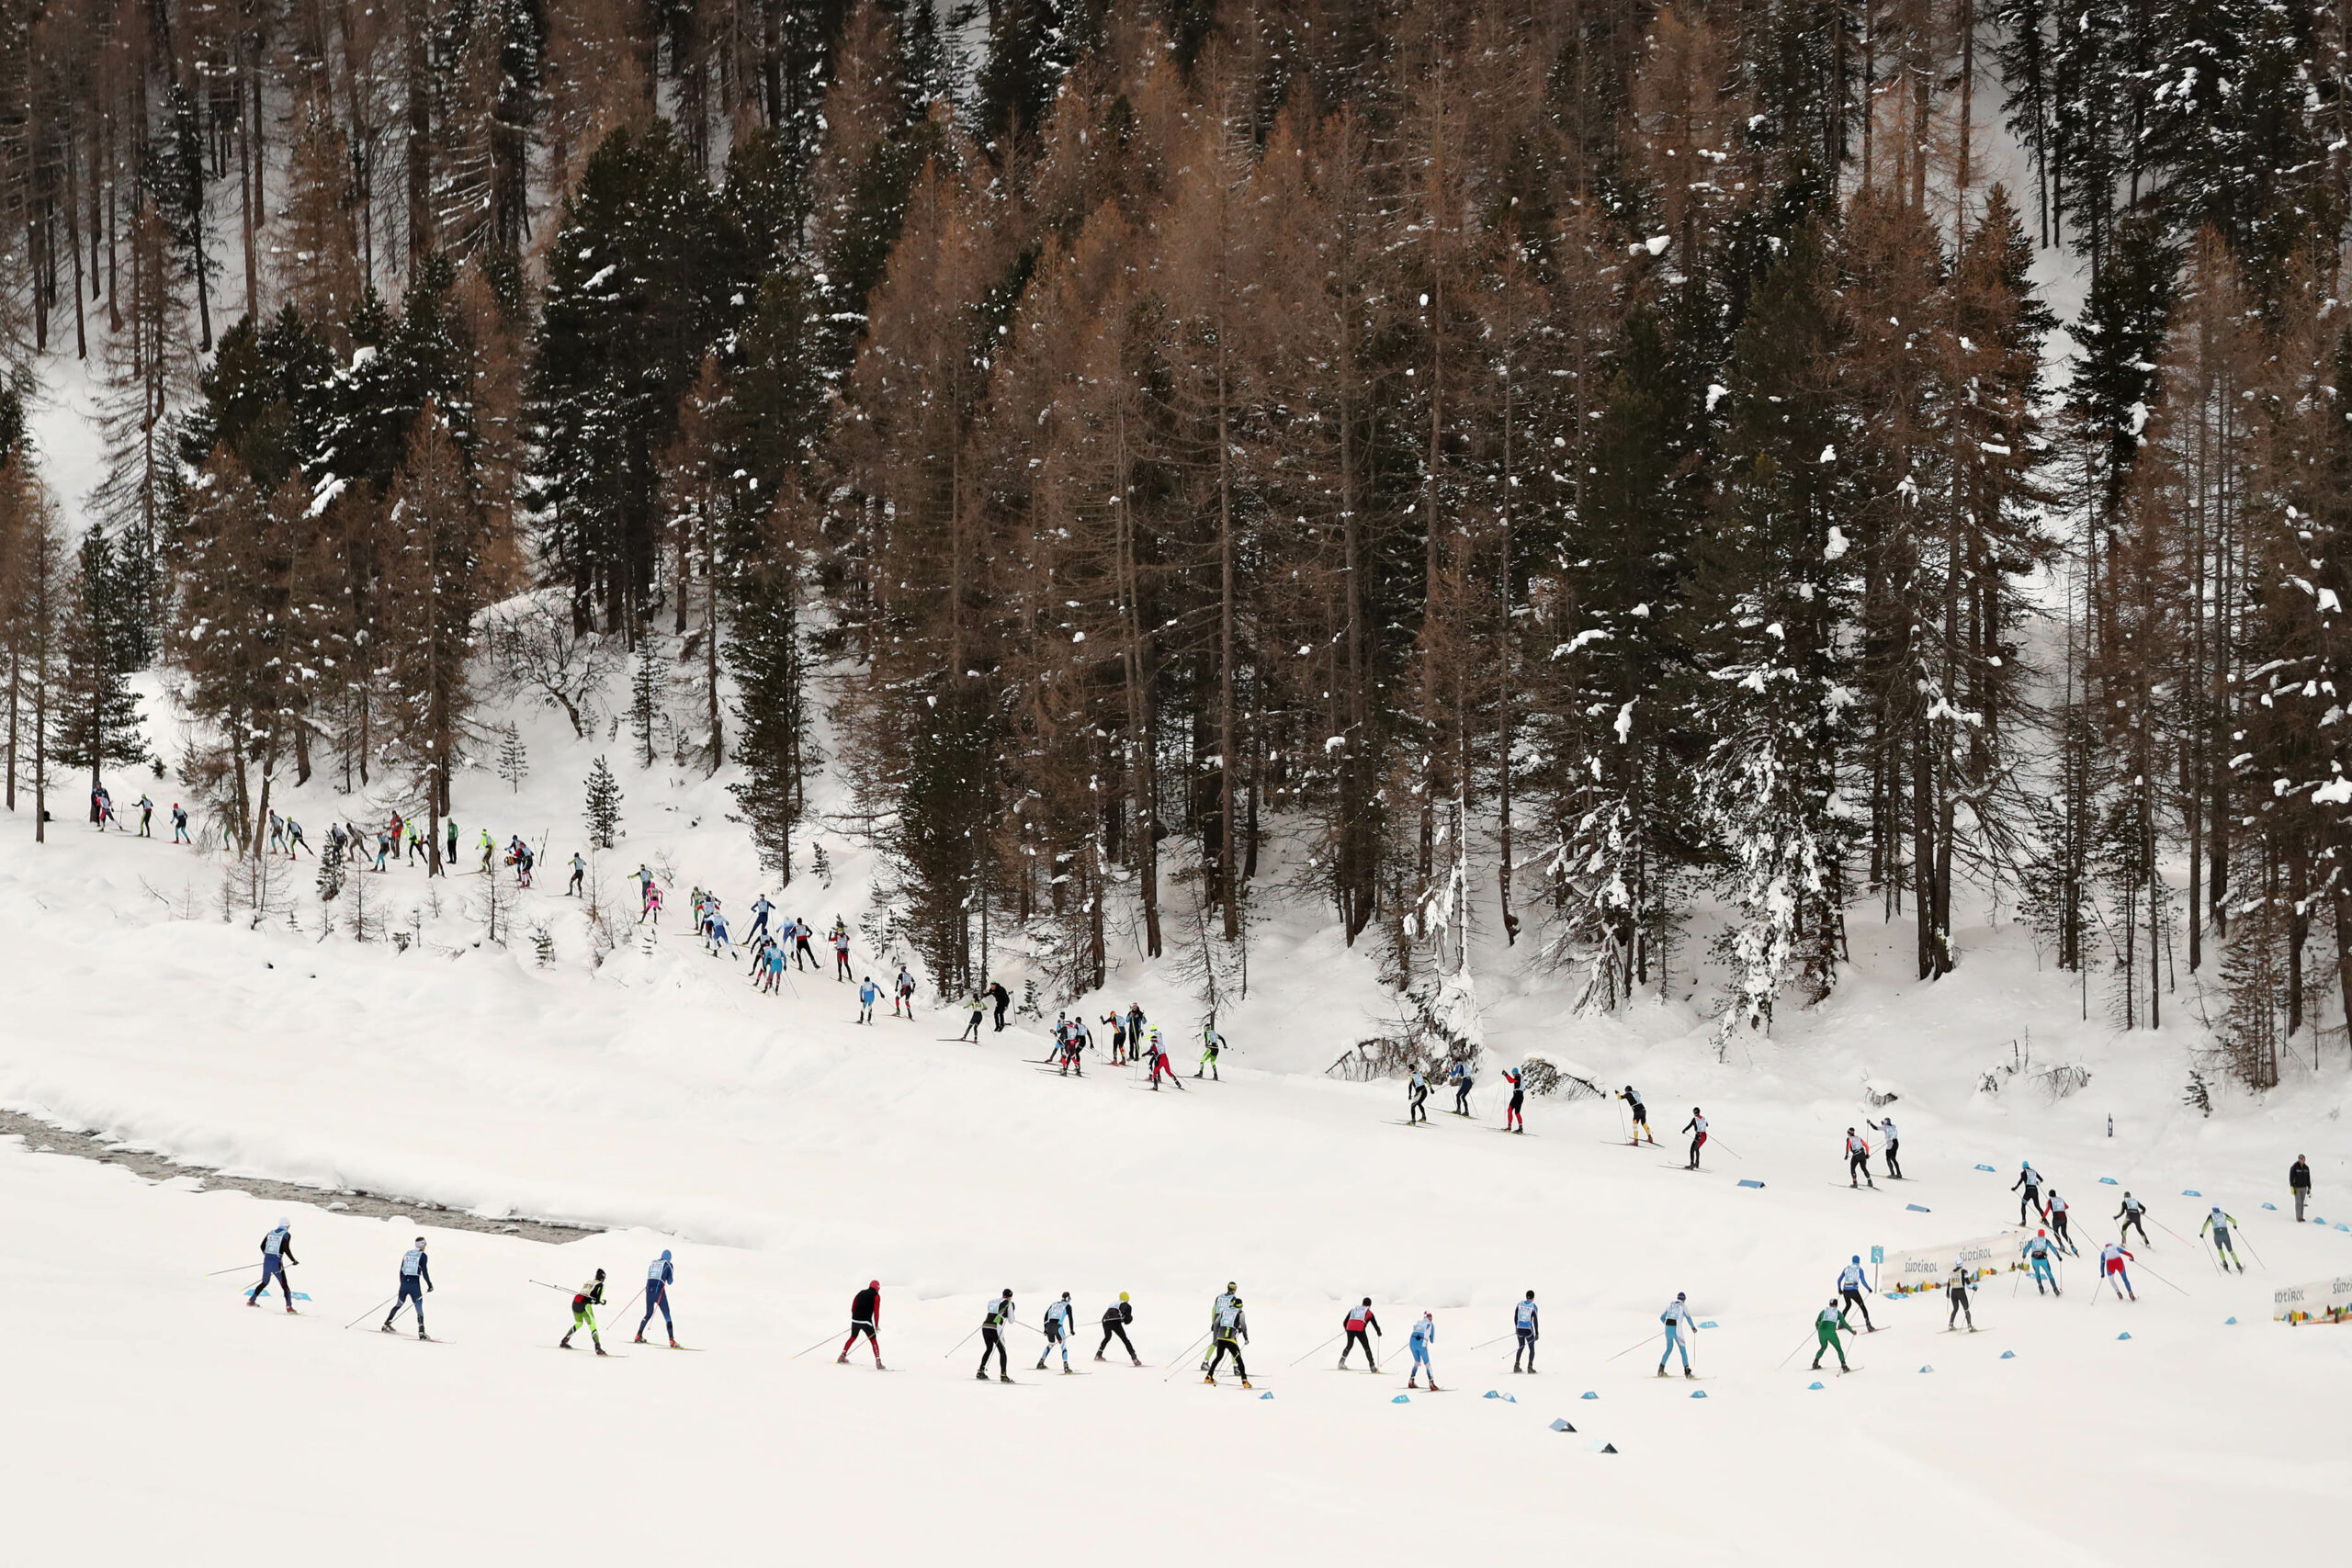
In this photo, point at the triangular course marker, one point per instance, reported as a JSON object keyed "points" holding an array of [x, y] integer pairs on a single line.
{"points": [[1562, 1426], [1606, 1449], [1926, 1369], [2008, 1355], [2125, 1335], [1814, 1387], [2107, 1181], [1267, 1395], [1749, 1182], [2227, 1321], [1985, 1168], [1400, 1399], [1698, 1394], [1590, 1394], [2191, 1192], [1918, 1208]]}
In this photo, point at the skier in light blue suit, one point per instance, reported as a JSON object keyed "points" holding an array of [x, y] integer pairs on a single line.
{"points": [[1679, 1332]]}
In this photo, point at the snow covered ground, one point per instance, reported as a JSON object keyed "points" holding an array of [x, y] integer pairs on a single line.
{"points": [[788, 1155]]}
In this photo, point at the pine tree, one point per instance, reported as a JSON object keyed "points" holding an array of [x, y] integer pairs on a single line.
{"points": [[95, 715], [647, 690], [604, 812], [514, 762]]}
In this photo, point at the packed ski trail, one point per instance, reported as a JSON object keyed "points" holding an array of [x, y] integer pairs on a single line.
{"points": [[788, 1155]]}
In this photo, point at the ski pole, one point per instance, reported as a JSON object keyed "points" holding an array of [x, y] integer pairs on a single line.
{"points": [[2250, 1248], [370, 1313], [1726, 1148], [1630, 1349], [1792, 1355], [1185, 1354], [829, 1339], [629, 1303], [238, 1269], [2145, 1269], [1325, 1346], [1496, 1340], [944, 1355], [544, 1285]]}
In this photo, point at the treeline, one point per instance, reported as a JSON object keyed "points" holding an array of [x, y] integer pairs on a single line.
{"points": [[1564, 468]]}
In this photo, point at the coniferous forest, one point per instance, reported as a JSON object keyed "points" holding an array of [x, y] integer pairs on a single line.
{"points": [[1556, 468]]}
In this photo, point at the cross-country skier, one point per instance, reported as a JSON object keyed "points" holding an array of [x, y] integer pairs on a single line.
{"points": [[1418, 1098], [277, 1252], [1115, 1318], [775, 966], [1679, 1332], [865, 1318], [1118, 1038], [1161, 1066], [2110, 1263], [868, 993], [179, 824], [2029, 1181], [1513, 1121], [1858, 1158], [296, 845], [1231, 1333], [1827, 1323], [1632, 1097], [902, 1002], [1227, 1297], [2133, 1215], [579, 874], [1000, 1312], [2220, 1225], [146, 815], [761, 911], [1697, 1128], [1081, 1042], [802, 931], [584, 1302], [1002, 998], [2056, 1209], [1892, 1152], [716, 934], [1211, 1043], [1361, 1322], [416, 1277], [1457, 1073], [1853, 1283], [1956, 1291], [2038, 1250], [1135, 1021], [489, 847], [972, 1030], [451, 858], [841, 949], [1523, 1324], [660, 1275], [1423, 1340], [1060, 1317], [2299, 1175]]}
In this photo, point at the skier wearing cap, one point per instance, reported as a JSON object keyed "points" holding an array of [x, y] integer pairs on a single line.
{"points": [[1000, 1312], [2038, 1250], [1513, 1121], [2219, 1223], [2029, 1181], [416, 1277], [1424, 1337], [1227, 1297], [1231, 1333], [1697, 1128], [1893, 1148], [584, 1302], [1523, 1325], [1679, 1332], [1956, 1291], [1116, 1319], [1858, 1158], [2134, 1215], [2110, 1263], [2056, 1210], [1360, 1320], [1641, 1114], [658, 1277], [277, 1251], [865, 1318], [1059, 1319], [1852, 1285], [1826, 1324]]}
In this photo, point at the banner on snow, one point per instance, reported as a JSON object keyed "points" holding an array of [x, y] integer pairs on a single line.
{"points": [[1929, 1269], [2330, 1300]]}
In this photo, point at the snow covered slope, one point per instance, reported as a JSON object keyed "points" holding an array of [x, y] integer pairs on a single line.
{"points": [[788, 1155]]}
